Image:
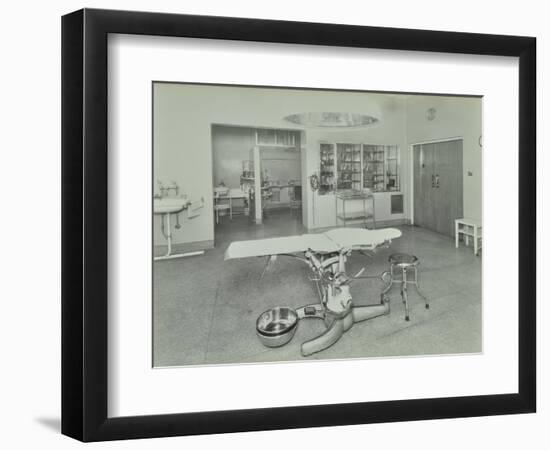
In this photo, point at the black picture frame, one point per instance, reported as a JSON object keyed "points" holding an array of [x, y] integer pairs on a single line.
{"points": [[84, 224]]}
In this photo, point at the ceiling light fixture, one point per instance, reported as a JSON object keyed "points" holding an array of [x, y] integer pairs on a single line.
{"points": [[332, 119]]}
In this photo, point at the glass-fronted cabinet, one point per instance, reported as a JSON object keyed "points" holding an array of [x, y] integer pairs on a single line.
{"points": [[392, 168], [358, 167], [349, 166], [327, 174], [373, 167]]}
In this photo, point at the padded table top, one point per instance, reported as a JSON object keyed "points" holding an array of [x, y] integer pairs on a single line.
{"points": [[328, 242]]}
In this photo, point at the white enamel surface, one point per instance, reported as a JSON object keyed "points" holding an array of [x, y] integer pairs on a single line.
{"points": [[281, 245], [359, 237], [330, 241], [169, 205]]}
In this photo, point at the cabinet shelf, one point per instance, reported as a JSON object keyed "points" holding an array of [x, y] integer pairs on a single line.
{"points": [[345, 166]]}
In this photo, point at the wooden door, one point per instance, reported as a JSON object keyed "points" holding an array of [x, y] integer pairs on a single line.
{"points": [[448, 192], [438, 192], [423, 192]]}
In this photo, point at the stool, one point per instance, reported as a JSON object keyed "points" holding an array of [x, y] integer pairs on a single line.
{"points": [[401, 264]]}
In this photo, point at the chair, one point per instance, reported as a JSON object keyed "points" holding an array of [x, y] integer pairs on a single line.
{"points": [[222, 202], [400, 265], [295, 194]]}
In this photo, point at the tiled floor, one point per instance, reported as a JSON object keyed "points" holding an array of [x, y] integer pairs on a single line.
{"points": [[205, 308]]}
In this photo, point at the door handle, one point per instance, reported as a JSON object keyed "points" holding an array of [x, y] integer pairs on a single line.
{"points": [[433, 180], [437, 181]]}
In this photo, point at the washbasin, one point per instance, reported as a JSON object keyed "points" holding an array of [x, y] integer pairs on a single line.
{"points": [[169, 205]]}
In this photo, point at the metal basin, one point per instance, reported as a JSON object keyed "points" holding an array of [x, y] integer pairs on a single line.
{"points": [[276, 327]]}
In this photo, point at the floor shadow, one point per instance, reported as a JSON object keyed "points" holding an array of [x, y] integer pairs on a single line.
{"points": [[53, 423]]}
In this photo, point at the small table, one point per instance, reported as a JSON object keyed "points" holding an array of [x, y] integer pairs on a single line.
{"points": [[469, 228], [362, 214]]}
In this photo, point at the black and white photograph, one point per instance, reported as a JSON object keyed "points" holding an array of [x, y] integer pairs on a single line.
{"points": [[299, 224], [265, 225]]}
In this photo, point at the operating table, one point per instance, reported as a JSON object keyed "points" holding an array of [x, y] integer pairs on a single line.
{"points": [[326, 255]]}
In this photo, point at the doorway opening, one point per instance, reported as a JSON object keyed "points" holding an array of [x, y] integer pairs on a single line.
{"points": [[257, 182]]}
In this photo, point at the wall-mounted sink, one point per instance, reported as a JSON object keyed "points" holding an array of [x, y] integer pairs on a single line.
{"points": [[169, 205]]}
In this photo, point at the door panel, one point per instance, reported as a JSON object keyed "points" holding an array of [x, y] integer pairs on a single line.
{"points": [[423, 192], [438, 193], [448, 193]]}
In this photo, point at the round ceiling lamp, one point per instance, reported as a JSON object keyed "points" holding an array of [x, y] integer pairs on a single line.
{"points": [[332, 119]]}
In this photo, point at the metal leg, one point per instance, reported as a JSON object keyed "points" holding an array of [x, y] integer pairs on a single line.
{"points": [[364, 213], [373, 216], [388, 286], [344, 211], [168, 235], [404, 294], [419, 290]]}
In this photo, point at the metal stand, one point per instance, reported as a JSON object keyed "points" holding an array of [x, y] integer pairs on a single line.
{"points": [[402, 263], [168, 236], [336, 308], [344, 216]]}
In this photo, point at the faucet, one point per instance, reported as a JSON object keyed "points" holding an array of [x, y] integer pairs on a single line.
{"points": [[160, 192], [175, 187], [164, 190]]}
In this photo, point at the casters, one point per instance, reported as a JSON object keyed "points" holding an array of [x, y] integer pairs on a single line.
{"points": [[407, 318]]}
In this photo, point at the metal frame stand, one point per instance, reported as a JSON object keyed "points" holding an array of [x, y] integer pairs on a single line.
{"points": [[344, 197], [404, 263], [168, 236], [336, 308]]}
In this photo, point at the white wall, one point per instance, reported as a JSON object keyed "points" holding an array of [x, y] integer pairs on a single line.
{"points": [[281, 164], [31, 285], [321, 211], [184, 142], [230, 146], [184, 114]]}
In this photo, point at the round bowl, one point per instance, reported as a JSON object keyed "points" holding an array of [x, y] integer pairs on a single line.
{"points": [[276, 327]]}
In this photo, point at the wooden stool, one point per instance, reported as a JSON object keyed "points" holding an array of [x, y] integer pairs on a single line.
{"points": [[400, 265]]}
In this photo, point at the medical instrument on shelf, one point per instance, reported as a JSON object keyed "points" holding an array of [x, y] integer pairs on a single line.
{"points": [[326, 255]]}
